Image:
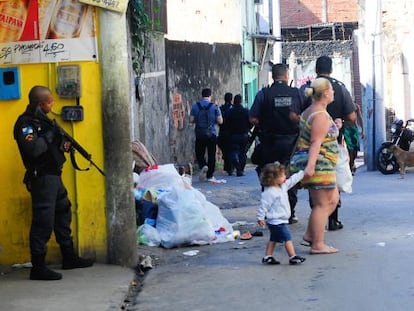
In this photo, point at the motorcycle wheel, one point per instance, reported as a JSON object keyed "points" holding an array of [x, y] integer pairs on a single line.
{"points": [[386, 162]]}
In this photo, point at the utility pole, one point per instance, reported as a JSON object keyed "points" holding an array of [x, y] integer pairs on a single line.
{"points": [[121, 221], [274, 8], [372, 64]]}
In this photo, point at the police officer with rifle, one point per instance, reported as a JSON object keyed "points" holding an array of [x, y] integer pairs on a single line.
{"points": [[42, 150], [277, 132]]}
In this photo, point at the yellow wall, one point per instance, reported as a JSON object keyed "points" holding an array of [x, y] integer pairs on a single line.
{"points": [[86, 189]]}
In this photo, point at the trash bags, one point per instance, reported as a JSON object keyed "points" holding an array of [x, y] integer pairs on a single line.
{"points": [[181, 220], [148, 235], [161, 177], [146, 212], [184, 217]]}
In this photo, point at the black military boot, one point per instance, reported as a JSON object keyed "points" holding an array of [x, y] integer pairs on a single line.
{"points": [[39, 270], [333, 222], [239, 169], [71, 261]]}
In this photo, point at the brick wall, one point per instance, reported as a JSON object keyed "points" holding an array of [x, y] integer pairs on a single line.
{"points": [[308, 12], [343, 11]]}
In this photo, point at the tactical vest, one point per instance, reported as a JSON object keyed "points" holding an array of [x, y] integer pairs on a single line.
{"points": [[336, 108], [274, 116], [50, 161]]}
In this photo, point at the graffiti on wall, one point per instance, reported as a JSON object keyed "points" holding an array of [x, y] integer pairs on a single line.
{"points": [[178, 112]]}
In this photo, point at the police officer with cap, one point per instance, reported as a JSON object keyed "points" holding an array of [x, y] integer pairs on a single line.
{"points": [[278, 133], [42, 150]]}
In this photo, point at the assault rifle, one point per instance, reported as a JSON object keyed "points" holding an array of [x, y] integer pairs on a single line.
{"points": [[252, 134], [74, 145]]}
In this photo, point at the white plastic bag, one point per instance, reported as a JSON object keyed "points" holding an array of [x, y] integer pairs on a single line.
{"points": [[148, 235], [181, 220], [161, 177], [343, 172], [222, 228]]}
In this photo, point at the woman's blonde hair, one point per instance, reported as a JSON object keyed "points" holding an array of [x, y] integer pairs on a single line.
{"points": [[317, 87], [270, 172]]}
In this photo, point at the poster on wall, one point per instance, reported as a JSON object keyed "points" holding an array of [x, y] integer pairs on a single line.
{"points": [[44, 31], [113, 5]]}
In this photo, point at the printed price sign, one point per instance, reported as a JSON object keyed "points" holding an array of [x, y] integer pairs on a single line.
{"points": [[38, 31]]}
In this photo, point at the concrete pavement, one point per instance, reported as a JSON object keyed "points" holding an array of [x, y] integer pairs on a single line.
{"points": [[100, 287], [372, 271]]}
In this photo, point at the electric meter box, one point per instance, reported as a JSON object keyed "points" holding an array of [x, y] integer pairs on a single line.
{"points": [[9, 83], [72, 113], [68, 84]]}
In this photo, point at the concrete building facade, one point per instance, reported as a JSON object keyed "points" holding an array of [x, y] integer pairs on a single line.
{"points": [[210, 45]]}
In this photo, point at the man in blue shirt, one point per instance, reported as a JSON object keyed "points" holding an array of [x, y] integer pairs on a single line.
{"points": [[206, 133]]}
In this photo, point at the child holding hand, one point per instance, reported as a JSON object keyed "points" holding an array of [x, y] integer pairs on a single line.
{"points": [[276, 209]]}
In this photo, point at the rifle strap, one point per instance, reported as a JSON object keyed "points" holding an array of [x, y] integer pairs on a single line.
{"points": [[74, 163]]}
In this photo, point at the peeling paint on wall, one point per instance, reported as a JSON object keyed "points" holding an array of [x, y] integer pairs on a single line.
{"points": [[192, 66]]}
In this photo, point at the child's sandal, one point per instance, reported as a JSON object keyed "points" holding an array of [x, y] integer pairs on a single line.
{"points": [[270, 261], [295, 260]]}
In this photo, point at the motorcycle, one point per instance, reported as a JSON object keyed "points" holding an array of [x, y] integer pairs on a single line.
{"points": [[402, 136]]}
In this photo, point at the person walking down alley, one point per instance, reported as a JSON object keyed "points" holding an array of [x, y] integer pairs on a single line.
{"points": [[238, 125], [342, 107], [206, 115], [278, 133], [353, 137], [42, 150], [274, 210], [223, 140]]}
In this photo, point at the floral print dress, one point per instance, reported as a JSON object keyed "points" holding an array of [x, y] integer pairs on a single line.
{"points": [[324, 176]]}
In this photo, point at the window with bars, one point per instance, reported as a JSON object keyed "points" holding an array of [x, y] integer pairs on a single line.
{"points": [[325, 32]]}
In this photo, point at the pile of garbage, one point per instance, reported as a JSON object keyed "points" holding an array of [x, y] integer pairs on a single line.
{"points": [[171, 213]]}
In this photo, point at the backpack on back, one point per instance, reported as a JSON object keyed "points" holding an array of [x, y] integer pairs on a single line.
{"points": [[203, 128]]}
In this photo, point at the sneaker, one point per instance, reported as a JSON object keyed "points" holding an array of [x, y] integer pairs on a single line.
{"points": [[203, 173], [296, 260], [293, 220], [270, 261]]}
